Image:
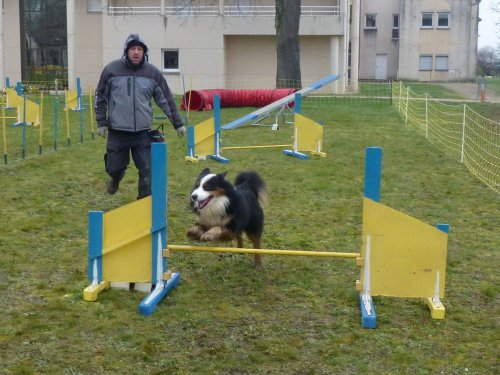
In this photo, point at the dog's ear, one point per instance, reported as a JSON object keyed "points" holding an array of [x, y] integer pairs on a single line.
{"points": [[223, 174], [205, 171]]}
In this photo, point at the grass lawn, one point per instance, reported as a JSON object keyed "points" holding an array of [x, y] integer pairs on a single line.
{"points": [[298, 315]]}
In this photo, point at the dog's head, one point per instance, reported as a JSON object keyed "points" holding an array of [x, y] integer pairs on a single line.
{"points": [[207, 187]]}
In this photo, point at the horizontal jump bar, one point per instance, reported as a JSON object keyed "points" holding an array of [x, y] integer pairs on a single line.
{"points": [[211, 249], [249, 147]]}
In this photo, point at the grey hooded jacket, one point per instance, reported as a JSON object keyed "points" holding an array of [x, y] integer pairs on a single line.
{"points": [[124, 92]]}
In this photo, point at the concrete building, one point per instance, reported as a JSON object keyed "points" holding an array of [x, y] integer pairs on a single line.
{"points": [[231, 43], [422, 40]]}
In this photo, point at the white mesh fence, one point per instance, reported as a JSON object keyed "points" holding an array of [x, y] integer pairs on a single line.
{"points": [[457, 130]]}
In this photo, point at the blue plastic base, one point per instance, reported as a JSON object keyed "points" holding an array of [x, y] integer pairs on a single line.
{"points": [[296, 154], [367, 321], [219, 158], [148, 304]]}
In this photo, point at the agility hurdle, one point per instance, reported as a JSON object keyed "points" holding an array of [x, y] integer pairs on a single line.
{"points": [[73, 102], [400, 257], [28, 112], [126, 244], [204, 139]]}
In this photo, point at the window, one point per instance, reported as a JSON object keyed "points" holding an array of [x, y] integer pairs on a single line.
{"points": [[46, 46], [371, 21], [441, 62], [443, 20], [426, 20], [395, 26], [170, 60], [94, 6], [425, 62]]}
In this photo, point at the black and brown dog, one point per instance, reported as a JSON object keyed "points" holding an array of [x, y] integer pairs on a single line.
{"points": [[224, 211]]}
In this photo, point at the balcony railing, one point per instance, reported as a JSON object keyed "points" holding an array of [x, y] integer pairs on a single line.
{"points": [[229, 11]]}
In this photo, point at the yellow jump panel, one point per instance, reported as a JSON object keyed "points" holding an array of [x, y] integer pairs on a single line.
{"points": [[71, 99], [204, 138], [309, 134], [32, 109], [13, 100], [128, 229], [32, 113], [406, 254]]}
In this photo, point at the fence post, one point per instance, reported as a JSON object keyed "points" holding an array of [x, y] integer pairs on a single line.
{"points": [[390, 90], [406, 112], [24, 127], [463, 136], [40, 131], [4, 129], [56, 109], [399, 96], [426, 117]]}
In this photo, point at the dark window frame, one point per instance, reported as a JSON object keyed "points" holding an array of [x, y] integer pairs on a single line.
{"points": [[424, 22], [170, 60]]}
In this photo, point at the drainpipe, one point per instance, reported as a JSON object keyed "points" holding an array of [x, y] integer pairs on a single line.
{"points": [[70, 17], [2, 52], [334, 58], [355, 45]]}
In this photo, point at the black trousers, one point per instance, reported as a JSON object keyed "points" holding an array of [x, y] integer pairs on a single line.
{"points": [[119, 146]]}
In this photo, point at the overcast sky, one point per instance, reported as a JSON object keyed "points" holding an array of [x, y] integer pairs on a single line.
{"points": [[489, 33]]}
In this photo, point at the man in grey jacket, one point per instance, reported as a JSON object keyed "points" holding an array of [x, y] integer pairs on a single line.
{"points": [[124, 113]]}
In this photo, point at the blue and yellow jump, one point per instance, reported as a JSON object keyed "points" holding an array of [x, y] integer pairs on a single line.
{"points": [[204, 139], [401, 256]]}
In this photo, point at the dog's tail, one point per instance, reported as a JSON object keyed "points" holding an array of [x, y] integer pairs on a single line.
{"points": [[250, 180]]}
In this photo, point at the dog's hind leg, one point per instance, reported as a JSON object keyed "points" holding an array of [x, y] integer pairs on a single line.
{"points": [[239, 240], [256, 245]]}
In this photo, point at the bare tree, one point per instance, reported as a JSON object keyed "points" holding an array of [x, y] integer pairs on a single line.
{"points": [[495, 8], [287, 22], [486, 60]]}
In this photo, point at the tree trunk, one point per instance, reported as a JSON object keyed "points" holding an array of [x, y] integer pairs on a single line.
{"points": [[287, 44]]}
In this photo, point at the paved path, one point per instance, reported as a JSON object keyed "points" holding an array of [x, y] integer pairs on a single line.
{"points": [[470, 91]]}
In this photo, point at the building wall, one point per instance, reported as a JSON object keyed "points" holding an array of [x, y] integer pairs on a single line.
{"points": [[378, 41], [251, 60], [458, 42], [220, 51], [88, 45], [11, 42], [214, 51]]}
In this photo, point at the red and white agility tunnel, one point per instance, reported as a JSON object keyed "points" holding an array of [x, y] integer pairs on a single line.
{"points": [[202, 100]]}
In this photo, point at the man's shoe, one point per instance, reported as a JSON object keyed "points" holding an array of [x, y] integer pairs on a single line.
{"points": [[112, 186]]}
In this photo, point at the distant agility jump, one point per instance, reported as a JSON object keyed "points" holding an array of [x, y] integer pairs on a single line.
{"points": [[204, 139]]}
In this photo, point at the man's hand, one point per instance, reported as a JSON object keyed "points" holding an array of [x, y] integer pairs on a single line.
{"points": [[102, 131], [181, 131]]}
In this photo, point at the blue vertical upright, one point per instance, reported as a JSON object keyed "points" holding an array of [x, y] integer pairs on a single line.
{"points": [[159, 232], [373, 177]]}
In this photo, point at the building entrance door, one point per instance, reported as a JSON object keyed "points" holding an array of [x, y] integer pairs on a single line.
{"points": [[381, 67]]}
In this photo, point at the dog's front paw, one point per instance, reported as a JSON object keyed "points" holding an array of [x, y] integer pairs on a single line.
{"points": [[208, 237], [213, 234], [195, 232]]}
